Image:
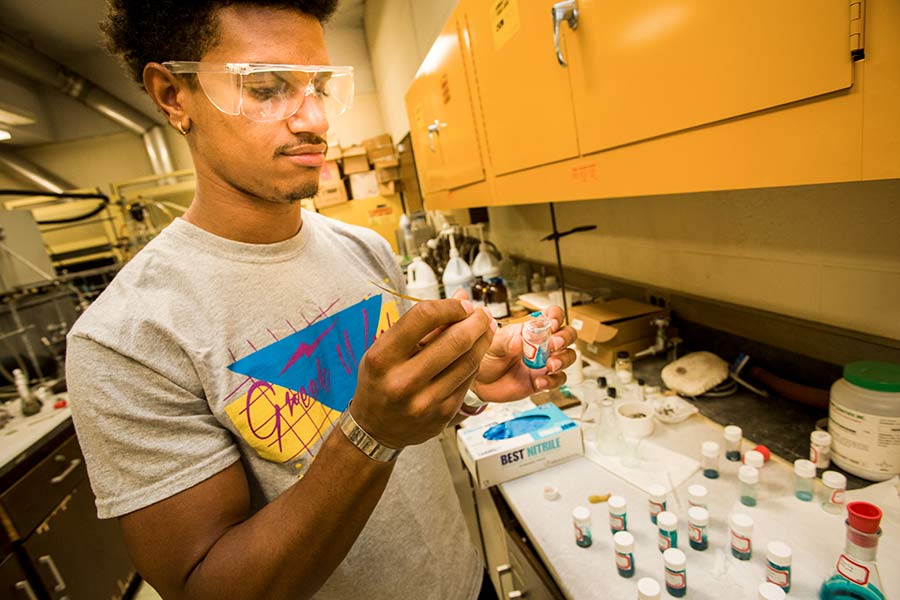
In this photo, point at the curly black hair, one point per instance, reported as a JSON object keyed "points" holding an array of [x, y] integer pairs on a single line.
{"points": [[140, 32]]}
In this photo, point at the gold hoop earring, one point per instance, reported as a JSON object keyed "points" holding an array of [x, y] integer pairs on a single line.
{"points": [[181, 128]]}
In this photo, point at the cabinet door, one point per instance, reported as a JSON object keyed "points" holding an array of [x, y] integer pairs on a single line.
{"points": [[14, 583], [524, 91], [644, 68], [77, 555], [422, 123]]}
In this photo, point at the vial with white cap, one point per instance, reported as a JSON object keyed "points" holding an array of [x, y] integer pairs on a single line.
{"points": [[804, 479], [778, 565], [648, 589], [657, 502], [741, 536], [710, 452], [624, 543], [676, 572], [618, 513], [733, 437], [697, 495], [820, 449], [698, 524], [668, 530], [770, 591], [749, 478], [754, 458], [581, 518], [834, 495]]}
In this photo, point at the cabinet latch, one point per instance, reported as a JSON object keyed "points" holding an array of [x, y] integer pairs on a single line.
{"points": [[857, 29]]}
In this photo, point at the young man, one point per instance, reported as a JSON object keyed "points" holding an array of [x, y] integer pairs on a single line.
{"points": [[211, 383]]}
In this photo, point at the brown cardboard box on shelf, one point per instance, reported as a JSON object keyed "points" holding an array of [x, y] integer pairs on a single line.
{"points": [[355, 160], [386, 189], [363, 185], [330, 194], [333, 153], [605, 328], [387, 170], [384, 139], [379, 147], [379, 213]]}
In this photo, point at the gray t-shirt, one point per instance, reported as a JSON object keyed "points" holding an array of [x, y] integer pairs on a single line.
{"points": [[204, 351]]}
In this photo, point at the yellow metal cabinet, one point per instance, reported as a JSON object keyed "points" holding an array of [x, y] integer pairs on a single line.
{"points": [[442, 120], [645, 68]]}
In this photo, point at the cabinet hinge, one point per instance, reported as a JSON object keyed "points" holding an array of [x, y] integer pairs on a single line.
{"points": [[857, 29]]}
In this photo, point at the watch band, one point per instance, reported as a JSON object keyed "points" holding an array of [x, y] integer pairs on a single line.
{"points": [[360, 438]]}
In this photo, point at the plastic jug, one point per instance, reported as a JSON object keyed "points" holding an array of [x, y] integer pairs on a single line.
{"points": [[421, 281], [457, 273]]}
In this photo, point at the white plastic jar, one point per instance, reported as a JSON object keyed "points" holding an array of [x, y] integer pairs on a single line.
{"points": [[863, 420]]}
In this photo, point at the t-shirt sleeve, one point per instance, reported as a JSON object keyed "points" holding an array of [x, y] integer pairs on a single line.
{"points": [[145, 438]]}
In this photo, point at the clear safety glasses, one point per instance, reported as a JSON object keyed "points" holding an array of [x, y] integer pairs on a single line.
{"points": [[271, 92]]}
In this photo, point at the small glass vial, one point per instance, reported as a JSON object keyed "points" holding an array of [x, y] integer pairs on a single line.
{"points": [[697, 495], [754, 458], [581, 518], [804, 479], [478, 290], [668, 530], [820, 449], [710, 452], [698, 527], [497, 298], [648, 589], [733, 437], [624, 368], [778, 565], [536, 341], [676, 572], [624, 544], [770, 591], [741, 536], [835, 490], [749, 478], [657, 502], [618, 514]]}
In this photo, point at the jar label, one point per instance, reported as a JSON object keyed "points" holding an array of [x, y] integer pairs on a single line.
{"points": [[871, 442], [837, 496], [617, 522], [780, 576], [499, 310], [665, 542], [656, 507], [740, 543], [852, 570], [695, 532], [623, 561], [676, 579]]}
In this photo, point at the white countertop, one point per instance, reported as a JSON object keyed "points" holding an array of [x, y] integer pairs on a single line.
{"points": [[21, 433]]}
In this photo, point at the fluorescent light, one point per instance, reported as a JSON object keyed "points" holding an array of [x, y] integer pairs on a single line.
{"points": [[4, 135], [14, 119]]}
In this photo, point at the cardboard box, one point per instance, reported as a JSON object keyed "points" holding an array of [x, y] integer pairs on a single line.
{"points": [[388, 189], [387, 170], [355, 160], [605, 328], [363, 185], [333, 153], [492, 461], [380, 214], [330, 194], [330, 172], [384, 139]]}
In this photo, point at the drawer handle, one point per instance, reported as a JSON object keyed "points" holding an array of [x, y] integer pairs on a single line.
{"points": [[26, 587], [563, 11], [48, 560], [73, 464], [433, 130]]}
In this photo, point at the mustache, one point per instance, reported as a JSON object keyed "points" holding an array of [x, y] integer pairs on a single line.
{"points": [[302, 139]]}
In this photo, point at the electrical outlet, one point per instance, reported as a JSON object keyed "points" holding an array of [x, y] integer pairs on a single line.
{"points": [[657, 297]]}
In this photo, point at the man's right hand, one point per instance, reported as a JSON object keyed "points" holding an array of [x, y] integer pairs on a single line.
{"points": [[413, 379]]}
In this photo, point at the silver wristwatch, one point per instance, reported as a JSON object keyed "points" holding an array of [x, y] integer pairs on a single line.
{"points": [[365, 442]]}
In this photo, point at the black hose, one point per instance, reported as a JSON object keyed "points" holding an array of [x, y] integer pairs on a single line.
{"points": [[104, 202]]}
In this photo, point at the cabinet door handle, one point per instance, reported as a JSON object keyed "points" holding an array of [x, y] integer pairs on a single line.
{"points": [[73, 464], [26, 587], [515, 595], [48, 560], [433, 130], [567, 11]]}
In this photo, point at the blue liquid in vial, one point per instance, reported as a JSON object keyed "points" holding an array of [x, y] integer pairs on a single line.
{"points": [[804, 495], [838, 588], [711, 473], [748, 500], [733, 455]]}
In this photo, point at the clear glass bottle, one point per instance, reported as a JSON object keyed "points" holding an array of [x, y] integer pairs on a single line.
{"points": [[741, 536], [581, 519], [668, 530], [657, 501], [778, 565], [856, 572], [624, 545], [536, 341], [676, 572], [804, 479], [834, 490], [697, 495], [624, 368], [769, 591], [733, 436], [754, 458], [820, 449], [749, 478], [609, 437], [618, 514], [710, 462], [497, 298], [698, 525], [648, 589]]}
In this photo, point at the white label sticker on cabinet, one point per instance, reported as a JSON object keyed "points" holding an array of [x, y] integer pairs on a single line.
{"points": [[504, 21]]}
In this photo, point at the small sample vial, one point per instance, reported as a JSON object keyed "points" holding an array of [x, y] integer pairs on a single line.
{"points": [[536, 341], [676, 572], [778, 565], [668, 530], [834, 497], [624, 543], [820, 449], [804, 479], [710, 452], [581, 518], [497, 298], [749, 478], [754, 458], [733, 437], [618, 514], [657, 502], [770, 591], [741, 536], [698, 526], [697, 495], [624, 368], [648, 589]]}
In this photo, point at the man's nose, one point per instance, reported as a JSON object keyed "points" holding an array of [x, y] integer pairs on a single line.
{"points": [[310, 116]]}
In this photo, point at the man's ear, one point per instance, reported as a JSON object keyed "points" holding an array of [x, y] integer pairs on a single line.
{"points": [[170, 94]]}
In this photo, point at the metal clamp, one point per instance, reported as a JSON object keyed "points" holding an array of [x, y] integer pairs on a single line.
{"points": [[567, 11], [73, 464], [26, 587], [60, 583]]}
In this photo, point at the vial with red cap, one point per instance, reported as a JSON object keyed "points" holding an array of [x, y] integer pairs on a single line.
{"points": [[856, 571]]}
